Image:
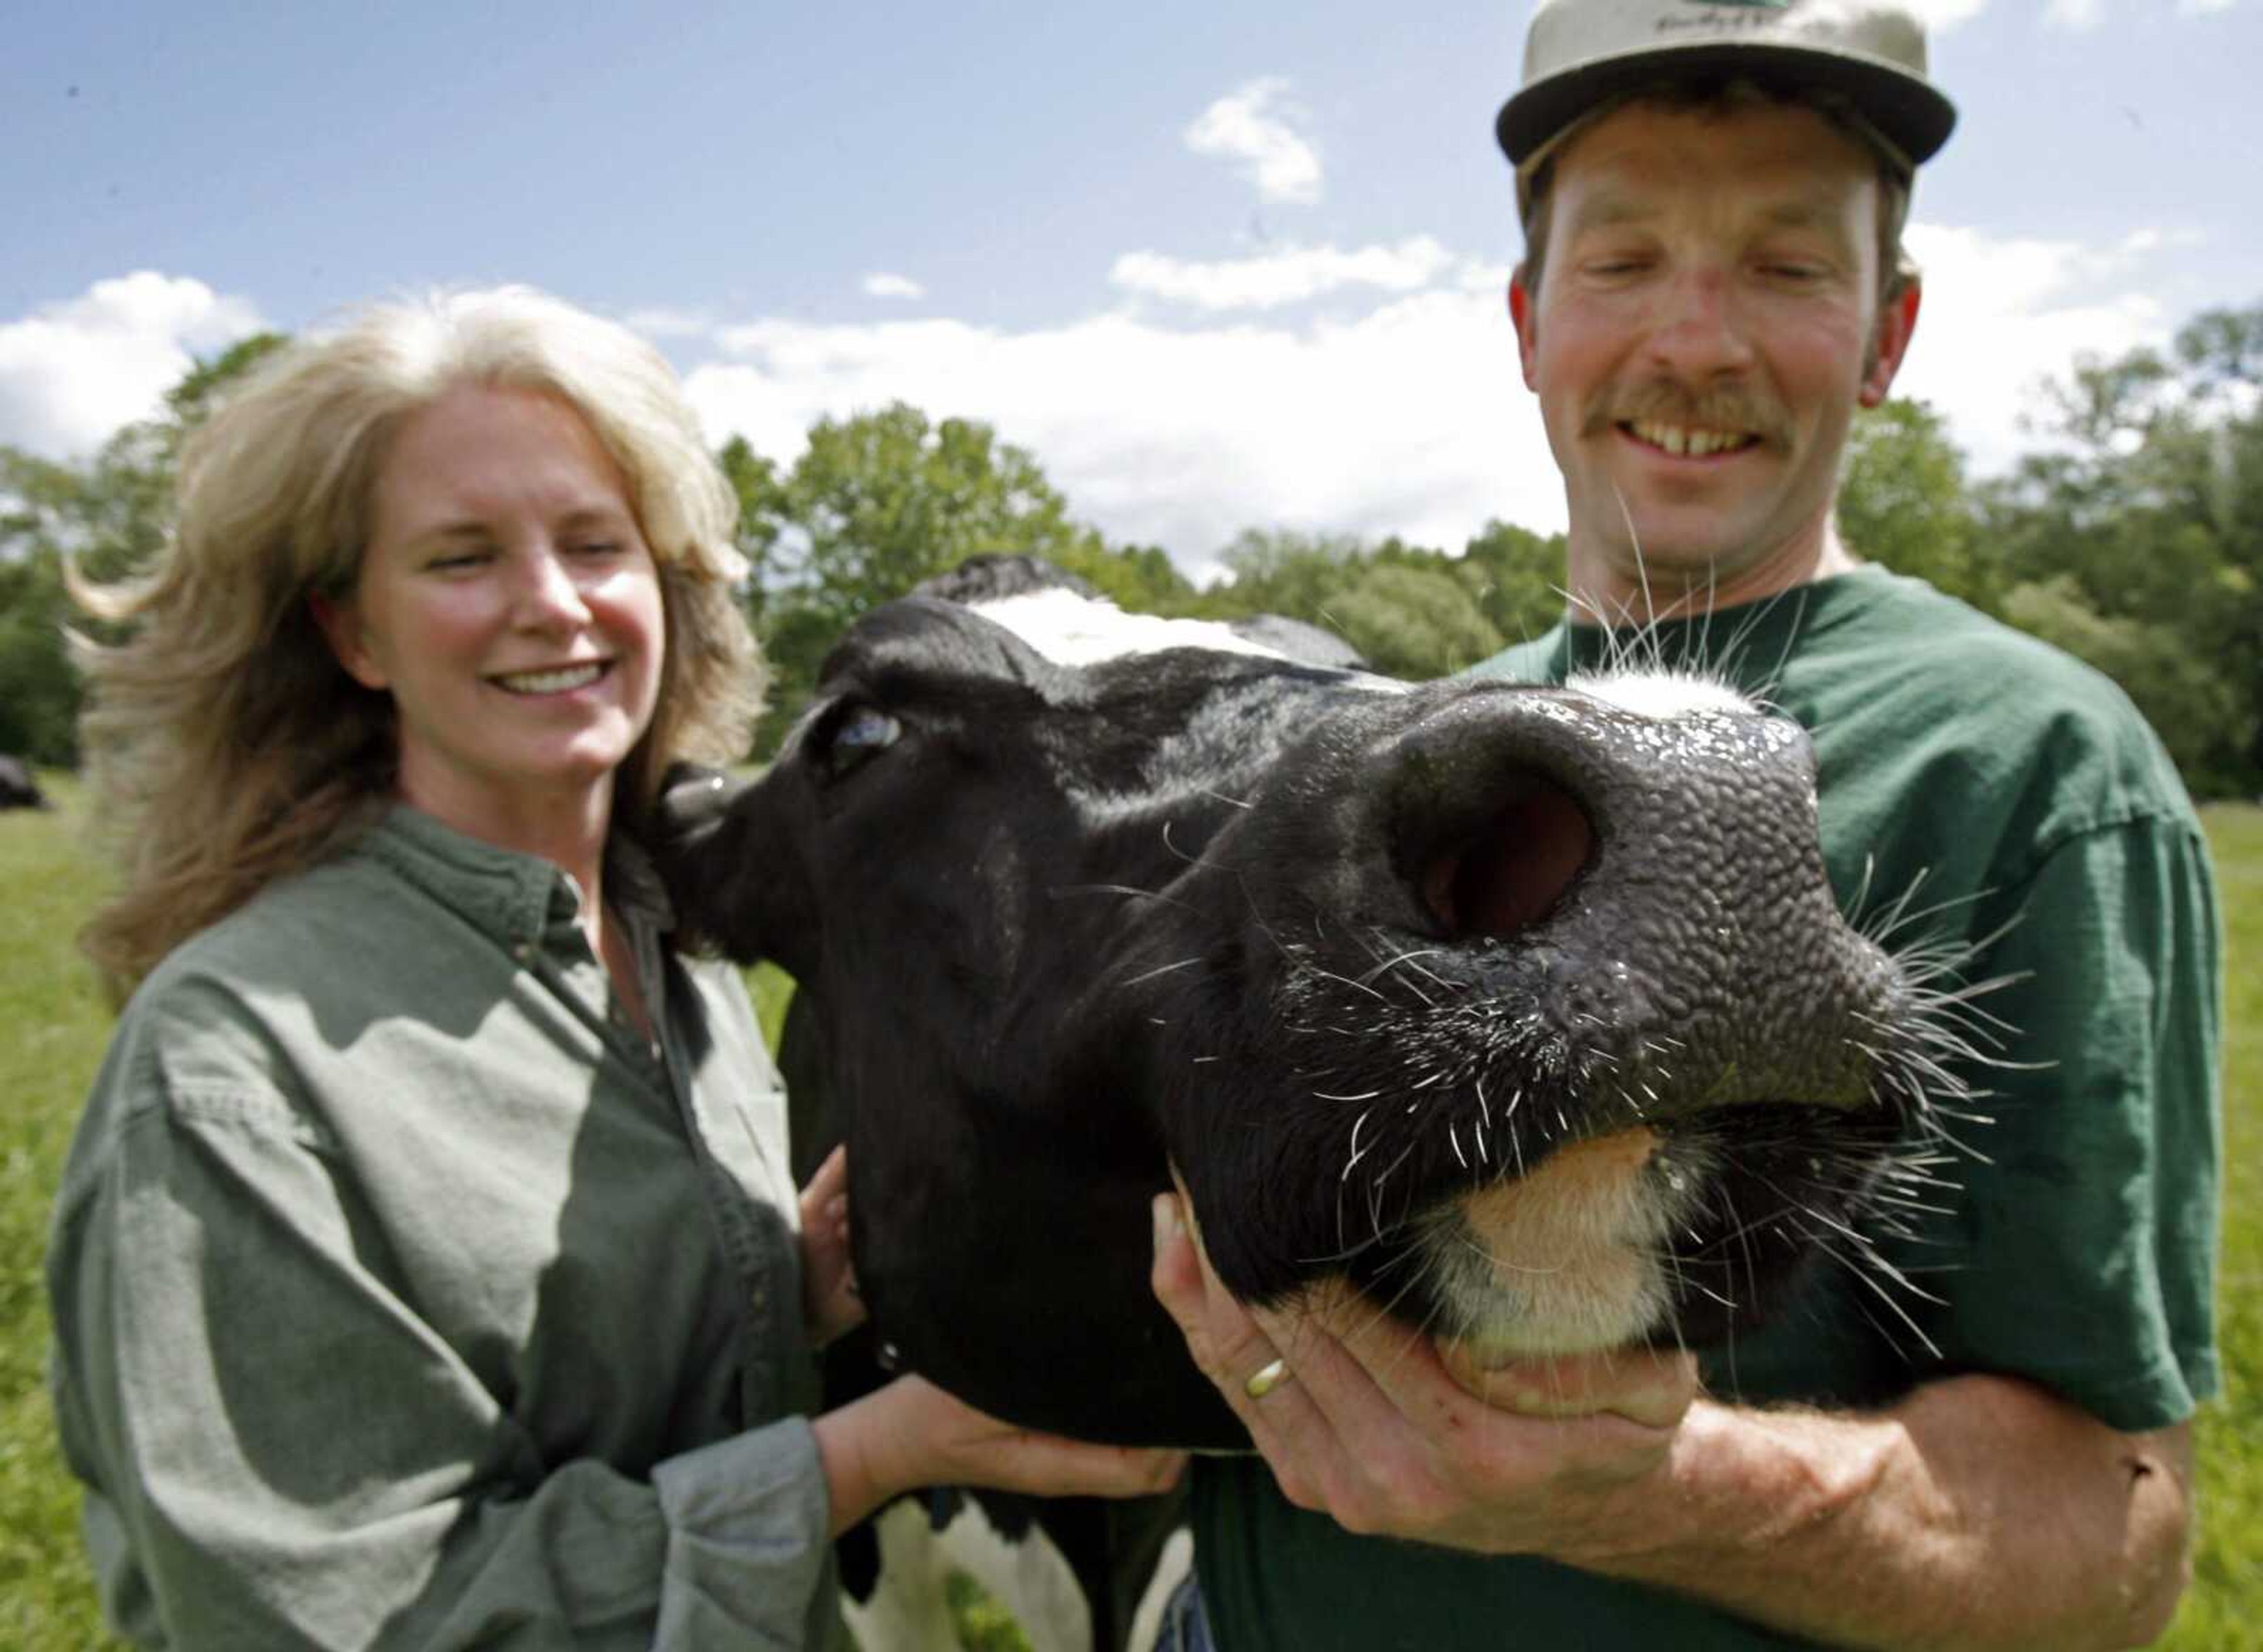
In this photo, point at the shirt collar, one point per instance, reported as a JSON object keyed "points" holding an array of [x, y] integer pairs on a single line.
{"points": [[512, 896]]}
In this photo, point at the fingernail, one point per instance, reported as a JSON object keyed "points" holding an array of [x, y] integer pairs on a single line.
{"points": [[1167, 1225]]}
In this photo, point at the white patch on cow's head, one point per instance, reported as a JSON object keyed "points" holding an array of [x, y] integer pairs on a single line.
{"points": [[1069, 629], [1566, 1259], [1073, 630], [1661, 694]]}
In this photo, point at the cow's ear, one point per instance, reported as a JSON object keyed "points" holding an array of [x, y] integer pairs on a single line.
{"points": [[1305, 643], [993, 577]]}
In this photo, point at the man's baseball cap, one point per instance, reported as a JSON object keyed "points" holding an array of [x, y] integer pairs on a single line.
{"points": [[1579, 56]]}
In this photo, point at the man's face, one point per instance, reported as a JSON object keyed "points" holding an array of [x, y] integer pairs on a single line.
{"points": [[1707, 321]]}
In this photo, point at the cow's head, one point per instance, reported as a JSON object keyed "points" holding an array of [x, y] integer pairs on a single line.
{"points": [[1527, 1009]]}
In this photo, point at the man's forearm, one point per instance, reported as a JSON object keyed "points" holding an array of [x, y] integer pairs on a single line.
{"points": [[1981, 1512]]}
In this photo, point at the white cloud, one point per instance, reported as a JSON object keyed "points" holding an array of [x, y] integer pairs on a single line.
{"points": [[1287, 277], [883, 284], [1941, 16], [1244, 126], [1409, 420], [2002, 315], [660, 321], [1402, 413], [1407, 417], [2081, 15], [72, 372]]}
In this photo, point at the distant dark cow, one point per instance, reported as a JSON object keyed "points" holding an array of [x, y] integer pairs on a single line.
{"points": [[1529, 1010], [17, 788]]}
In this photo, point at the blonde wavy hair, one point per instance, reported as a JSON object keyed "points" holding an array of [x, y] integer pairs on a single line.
{"points": [[226, 746]]}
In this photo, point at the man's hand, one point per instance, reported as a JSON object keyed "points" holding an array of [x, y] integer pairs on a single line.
{"points": [[1367, 1422], [1978, 1512]]}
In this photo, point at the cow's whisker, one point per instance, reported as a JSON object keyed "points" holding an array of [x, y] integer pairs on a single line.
{"points": [[1161, 970]]}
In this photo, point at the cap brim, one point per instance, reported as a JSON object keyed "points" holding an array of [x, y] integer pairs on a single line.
{"points": [[1909, 113]]}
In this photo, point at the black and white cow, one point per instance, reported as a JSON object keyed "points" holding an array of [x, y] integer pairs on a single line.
{"points": [[17, 788], [1527, 1009]]}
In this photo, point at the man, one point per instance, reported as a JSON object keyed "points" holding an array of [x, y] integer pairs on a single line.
{"points": [[1989, 1446]]}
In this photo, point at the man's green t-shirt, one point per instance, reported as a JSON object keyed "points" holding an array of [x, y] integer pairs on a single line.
{"points": [[1993, 794]]}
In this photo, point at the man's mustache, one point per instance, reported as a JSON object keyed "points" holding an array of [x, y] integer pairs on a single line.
{"points": [[1730, 407]]}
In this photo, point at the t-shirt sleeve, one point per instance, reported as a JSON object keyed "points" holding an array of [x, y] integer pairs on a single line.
{"points": [[2084, 1231]]}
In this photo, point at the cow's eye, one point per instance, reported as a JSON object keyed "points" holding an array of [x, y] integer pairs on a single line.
{"points": [[857, 732]]}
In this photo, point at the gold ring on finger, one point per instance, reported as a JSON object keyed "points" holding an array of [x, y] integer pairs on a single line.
{"points": [[1266, 1378]]}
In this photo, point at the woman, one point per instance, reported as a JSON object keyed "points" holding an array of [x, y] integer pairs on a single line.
{"points": [[426, 1270]]}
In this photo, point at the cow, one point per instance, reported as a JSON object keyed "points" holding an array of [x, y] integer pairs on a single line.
{"points": [[17, 787], [1527, 1009]]}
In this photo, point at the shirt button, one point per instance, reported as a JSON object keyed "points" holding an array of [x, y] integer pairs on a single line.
{"points": [[522, 952]]}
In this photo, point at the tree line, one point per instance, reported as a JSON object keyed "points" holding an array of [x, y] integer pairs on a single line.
{"points": [[2131, 536]]}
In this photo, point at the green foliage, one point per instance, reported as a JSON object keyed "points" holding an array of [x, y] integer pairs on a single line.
{"points": [[1413, 620], [880, 502], [1903, 501], [983, 1625], [1138, 578], [1517, 577], [771, 989], [2139, 538], [875, 504], [2185, 696], [189, 402], [1410, 611], [2223, 348], [108, 517], [38, 691], [761, 519], [1279, 571], [38, 687]]}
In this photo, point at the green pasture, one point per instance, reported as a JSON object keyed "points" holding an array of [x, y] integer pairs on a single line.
{"points": [[55, 1024]]}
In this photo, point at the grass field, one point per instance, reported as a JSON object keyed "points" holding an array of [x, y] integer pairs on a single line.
{"points": [[55, 1026], [2224, 1611]]}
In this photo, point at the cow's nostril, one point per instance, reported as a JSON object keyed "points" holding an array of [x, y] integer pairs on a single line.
{"points": [[1511, 875]]}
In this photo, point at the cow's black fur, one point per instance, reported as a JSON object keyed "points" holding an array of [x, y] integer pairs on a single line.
{"points": [[1016, 810]]}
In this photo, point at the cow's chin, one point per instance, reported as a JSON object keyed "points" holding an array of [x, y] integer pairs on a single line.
{"points": [[1571, 1259]]}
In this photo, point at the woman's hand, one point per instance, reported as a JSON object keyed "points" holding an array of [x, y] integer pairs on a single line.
{"points": [[911, 1434], [830, 1304], [1368, 1422], [972, 1448]]}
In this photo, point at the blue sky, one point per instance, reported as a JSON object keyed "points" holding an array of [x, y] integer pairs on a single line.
{"points": [[1216, 266]]}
